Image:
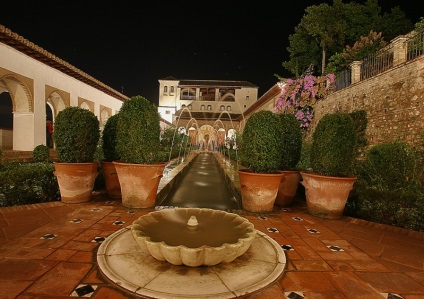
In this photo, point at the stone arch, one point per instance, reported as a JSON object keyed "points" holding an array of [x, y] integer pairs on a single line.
{"points": [[22, 99], [57, 102], [105, 113], [207, 138]]}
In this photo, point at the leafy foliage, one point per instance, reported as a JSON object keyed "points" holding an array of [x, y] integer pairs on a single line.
{"points": [[292, 141], [109, 139], [325, 30], [76, 134], [333, 149], [261, 142], [390, 186], [27, 183], [41, 153], [138, 132]]}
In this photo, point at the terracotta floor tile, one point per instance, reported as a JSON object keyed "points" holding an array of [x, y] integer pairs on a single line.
{"points": [[370, 247], [111, 293], [311, 265], [352, 286], [326, 295], [94, 278], [350, 233], [60, 280], [11, 289], [368, 266], [407, 256], [61, 254], [29, 253], [88, 235], [417, 276], [335, 255], [274, 292], [83, 257], [396, 267], [391, 282], [24, 269], [84, 246], [340, 265], [306, 281], [307, 252]]}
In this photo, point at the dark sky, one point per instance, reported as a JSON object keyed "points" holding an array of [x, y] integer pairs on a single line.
{"points": [[130, 45]]}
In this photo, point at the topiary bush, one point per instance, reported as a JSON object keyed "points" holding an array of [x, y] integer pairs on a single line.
{"points": [[261, 142], [292, 141], [41, 153], [138, 132], [333, 150], [76, 134], [109, 139], [390, 187], [27, 183]]}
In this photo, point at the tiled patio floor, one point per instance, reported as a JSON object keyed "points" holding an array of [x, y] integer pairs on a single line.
{"points": [[49, 251]]}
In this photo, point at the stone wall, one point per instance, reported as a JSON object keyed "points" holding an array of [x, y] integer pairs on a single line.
{"points": [[393, 100]]}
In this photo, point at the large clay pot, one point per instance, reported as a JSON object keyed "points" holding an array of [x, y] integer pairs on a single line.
{"points": [[139, 183], [326, 196], [113, 188], [288, 188], [259, 190], [76, 181]]}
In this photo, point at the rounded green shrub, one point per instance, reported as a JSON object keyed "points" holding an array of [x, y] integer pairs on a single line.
{"points": [[76, 134], [333, 150], [261, 142], [292, 141], [41, 153], [392, 166], [138, 132], [109, 139]]}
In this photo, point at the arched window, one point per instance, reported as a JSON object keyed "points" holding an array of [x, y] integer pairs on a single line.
{"points": [[209, 107], [222, 107], [202, 107], [228, 108]]}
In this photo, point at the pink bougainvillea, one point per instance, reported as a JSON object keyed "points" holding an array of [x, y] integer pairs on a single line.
{"points": [[298, 96]]}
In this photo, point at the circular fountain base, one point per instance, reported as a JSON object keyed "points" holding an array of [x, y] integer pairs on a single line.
{"points": [[122, 262]]}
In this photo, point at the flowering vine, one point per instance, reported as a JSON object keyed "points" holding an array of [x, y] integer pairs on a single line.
{"points": [[298, 96]]}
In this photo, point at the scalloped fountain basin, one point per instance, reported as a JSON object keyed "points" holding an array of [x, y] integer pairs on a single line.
{"points": [[193, 236]]}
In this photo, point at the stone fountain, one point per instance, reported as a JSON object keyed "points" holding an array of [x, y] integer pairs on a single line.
{"points": [[193, 236]]}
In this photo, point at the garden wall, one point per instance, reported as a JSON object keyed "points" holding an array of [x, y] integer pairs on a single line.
{"points": [[393, 100]]}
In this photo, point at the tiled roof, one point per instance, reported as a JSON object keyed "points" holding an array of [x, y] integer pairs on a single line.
{"points": [[209, 83], [32, 50]]}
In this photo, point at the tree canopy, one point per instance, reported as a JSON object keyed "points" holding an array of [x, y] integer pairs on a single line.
{"points": [[325, 30]]}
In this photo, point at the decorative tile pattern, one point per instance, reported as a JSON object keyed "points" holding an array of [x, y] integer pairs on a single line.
{"points": [[262, 217], [118, 222], [294, 295], [286, 247], [98, 239], [96, 210], [76, 220], [84, 290], [285, 209], [335, 248], [272, 230], [131, 212], [313, 230], [297, 218], [48, 236]]}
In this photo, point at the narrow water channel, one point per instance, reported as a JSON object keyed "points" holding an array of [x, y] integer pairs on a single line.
{"points": [[202, 186]]}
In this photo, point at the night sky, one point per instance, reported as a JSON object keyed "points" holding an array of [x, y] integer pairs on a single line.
{"points": [[130, 45]]}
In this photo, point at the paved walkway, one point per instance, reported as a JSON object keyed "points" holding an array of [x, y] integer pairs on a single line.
{"points": [[49, 251]]}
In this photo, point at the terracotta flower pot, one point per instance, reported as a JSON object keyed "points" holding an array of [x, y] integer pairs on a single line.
{"points": [[76, 181], [139, 183], [259, 190], [326, 196], [288, 188], [113, 188]]}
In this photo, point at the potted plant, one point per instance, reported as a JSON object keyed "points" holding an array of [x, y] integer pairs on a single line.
{"points": [[141, 160], [108, 138], [290, 156], [76, 134], [332, 158], [260, 152]]}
